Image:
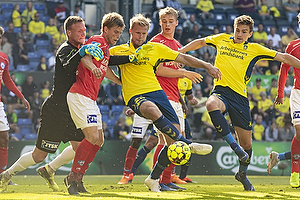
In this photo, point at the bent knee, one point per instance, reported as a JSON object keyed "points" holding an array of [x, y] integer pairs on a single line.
{"points": [[136, 142], [39, 157], [151, 144], [93, 139], [246, 146]]}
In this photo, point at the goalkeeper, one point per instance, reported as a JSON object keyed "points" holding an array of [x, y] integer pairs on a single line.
{"points": [[56, 124]]}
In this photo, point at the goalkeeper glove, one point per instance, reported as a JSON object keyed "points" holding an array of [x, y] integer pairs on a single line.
{"points": [[141, 52], [93, 50]]}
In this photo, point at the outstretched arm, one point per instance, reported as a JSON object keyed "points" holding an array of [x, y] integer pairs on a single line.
{"points": [[196, 63], [195, 44], [288, 59], [178, 73]]}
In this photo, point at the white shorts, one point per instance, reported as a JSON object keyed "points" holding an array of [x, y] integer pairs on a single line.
{"points": [[178, 109], [4, 126], [295, 106], [84, 111], [140, 124]]}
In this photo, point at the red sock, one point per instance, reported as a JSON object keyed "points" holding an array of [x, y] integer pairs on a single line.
{"points": [[295, 151], [3, 158], [159, 147], [166, 175], [129, 160], [82, 152], [89, 159]]}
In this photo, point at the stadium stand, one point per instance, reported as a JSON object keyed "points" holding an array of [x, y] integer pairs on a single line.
{"points": [[30, 136], [23, 68], [16, 135], [116, 111]]}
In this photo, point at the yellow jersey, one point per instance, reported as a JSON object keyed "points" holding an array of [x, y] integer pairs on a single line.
{"points": [[273, 92], [59, 38], [264, 105], [52, 30], [258, 130], [260, 36], [184, 84], [256, 92], [206, 118], [285, 107], [16, 18], [139, 77], [205, 6], [236, 61], [279, 121]]}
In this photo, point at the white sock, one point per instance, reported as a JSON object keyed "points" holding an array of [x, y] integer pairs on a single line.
{"points": [[21, 164], [65, 157]]}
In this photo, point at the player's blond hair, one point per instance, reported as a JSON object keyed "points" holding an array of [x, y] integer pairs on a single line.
{"points": [[140, 20], [1, 31], [112, 19], [244, 20], [168, 11]]}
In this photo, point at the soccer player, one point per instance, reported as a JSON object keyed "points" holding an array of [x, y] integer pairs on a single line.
{"points": [[4, 128], [143, 94], [82, 96], [168, 21], [236, 58], [293, 49], [185, 88], [56, 123]]}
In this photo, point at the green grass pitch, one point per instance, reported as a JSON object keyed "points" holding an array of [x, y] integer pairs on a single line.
{"points": [[105, 187]]}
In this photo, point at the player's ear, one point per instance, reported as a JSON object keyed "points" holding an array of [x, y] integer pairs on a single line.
{"points": [[105, 29], [68, 32], [250, 34]]}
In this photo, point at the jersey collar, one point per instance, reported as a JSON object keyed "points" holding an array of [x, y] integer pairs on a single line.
{"points": [[128, 42], [232, 37]]}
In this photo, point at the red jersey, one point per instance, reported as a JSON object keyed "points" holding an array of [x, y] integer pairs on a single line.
{"points": [[169, 85], [294, 49], [5, 76], [86, 83]]}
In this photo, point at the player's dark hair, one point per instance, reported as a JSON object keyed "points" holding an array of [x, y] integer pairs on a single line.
{"points": [[112, 19], [70, 21], [244, 20], [168, 11], [1, 31]]}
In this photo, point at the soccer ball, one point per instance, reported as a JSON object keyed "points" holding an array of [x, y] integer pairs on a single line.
{"points": [[179, 153]]}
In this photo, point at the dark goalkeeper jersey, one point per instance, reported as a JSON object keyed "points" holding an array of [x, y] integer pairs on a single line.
{"points": [[67, 60]]}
